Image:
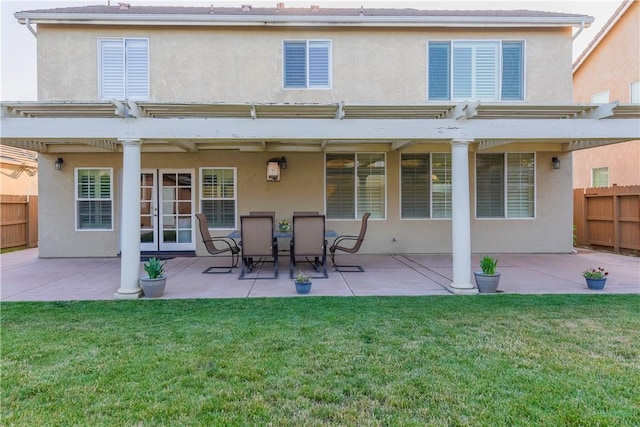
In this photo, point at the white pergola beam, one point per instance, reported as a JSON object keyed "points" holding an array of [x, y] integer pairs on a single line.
{"points": [[485, 145], [187, 146], [318, 129]]}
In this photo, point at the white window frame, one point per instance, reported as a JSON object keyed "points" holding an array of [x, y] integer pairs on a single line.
{"points": [[125, 94], [505, 189], [449, 172], [78, 199], [599, 170], [634, 92], [500, 70], [308, 86], [600, 97], [356, 188], [202, 197]]}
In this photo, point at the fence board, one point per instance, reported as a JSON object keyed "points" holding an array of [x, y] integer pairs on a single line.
{"points": [[18, 221], [608, 217]]}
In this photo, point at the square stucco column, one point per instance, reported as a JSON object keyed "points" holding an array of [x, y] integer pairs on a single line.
{"points": [[130, 226], [461, 218]]}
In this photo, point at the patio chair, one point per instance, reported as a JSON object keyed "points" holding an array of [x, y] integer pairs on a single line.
{"points": [[357, 242], [209, 244], [256, 232], [308, 241]]}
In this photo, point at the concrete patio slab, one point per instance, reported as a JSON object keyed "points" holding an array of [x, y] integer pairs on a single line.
{"points": [[25, 277]]}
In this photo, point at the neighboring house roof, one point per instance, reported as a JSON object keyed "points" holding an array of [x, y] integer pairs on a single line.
{"points": [[247, 15], [18, 156], [624, 6]]}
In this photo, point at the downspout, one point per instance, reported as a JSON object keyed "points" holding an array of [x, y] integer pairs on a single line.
{"points": [[27, 22], [579, 31]]}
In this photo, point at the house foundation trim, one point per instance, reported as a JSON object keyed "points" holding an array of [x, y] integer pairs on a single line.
{"points": [[460, 217], [130, 227]]}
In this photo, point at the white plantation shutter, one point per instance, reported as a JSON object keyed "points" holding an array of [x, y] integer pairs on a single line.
{"points": [[111, 69], [486, 72], [319, 64], [462, 72], [137, 69], [94, 201], [218, 197], [490, 186], [340, 175], [124, 69]]}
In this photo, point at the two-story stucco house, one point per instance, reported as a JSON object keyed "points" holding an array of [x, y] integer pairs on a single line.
{"points": [[609, 70], [445, 125]]}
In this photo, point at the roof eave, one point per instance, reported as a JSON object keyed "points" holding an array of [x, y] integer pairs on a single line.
{"points": [[313, 21]]}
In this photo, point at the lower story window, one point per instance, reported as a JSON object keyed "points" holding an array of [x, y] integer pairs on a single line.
{"points": [[426, 185], [505, 185], [94, 199], [355, 184], [218, 197]]}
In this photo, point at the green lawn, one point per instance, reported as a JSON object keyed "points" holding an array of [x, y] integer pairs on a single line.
{"points": [[446, 361]]}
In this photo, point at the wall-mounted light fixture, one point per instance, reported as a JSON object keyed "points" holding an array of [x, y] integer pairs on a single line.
{"points": [[556, 162], [58, 163], [273, 168]]}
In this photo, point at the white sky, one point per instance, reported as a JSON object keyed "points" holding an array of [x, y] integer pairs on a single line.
{"points": [[18, 45]]}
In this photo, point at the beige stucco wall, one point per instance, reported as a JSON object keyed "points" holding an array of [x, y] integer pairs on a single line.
{"points": [[613, 65], [302, 188], [244, 65]]}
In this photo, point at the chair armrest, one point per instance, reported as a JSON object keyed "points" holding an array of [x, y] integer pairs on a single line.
{"points": [[340, 239], [225, 238]]}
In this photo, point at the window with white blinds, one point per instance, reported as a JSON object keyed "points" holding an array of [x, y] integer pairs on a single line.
{"points": [[218, 198], [355, 184], [481, 70], [600, 177], [307, 64], [94, 199], [505, 185], [124, 69], [425, 185]]}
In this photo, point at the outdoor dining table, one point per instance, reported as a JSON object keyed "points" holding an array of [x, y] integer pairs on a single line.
{"points": [[282, 234]]}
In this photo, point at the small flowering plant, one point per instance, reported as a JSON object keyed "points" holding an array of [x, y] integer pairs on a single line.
{"points": [[595, 273], [284, 225]]}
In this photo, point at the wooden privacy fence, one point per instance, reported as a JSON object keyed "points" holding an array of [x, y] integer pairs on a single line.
{"points": [[608, 217], [18, 221]]}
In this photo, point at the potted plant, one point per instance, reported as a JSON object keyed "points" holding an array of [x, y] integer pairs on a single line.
{"points": [[488, 279], [302, 281], [284, 226], [596, 278], [153, 284]]}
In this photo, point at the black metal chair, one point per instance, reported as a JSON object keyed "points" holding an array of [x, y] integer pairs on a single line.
{"points": [[256, 232], [209, 244], [355, 247], [308, 241]]}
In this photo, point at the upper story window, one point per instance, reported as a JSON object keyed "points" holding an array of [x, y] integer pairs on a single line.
{"points": [[307, 64], [600, 177], [476, 70], [124, 69], [355, 185]]}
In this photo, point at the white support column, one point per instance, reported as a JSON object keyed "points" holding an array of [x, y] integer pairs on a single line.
{"points": [[461, 218], [130, 226]]}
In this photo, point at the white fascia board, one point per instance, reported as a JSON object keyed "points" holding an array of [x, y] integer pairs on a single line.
{"points": [[311, 21], [203, 129]]}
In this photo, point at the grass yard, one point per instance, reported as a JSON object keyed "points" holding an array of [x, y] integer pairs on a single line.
{"points": [[557, 360]]}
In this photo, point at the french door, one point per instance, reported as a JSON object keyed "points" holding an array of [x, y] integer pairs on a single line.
{"points": [[167, 210]]}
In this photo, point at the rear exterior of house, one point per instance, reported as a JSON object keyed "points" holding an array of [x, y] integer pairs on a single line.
{"points": [[443, 125], [609, 70]]}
